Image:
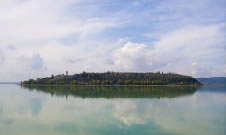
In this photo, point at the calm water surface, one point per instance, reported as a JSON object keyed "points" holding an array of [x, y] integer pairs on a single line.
{"points": [[64, 110]]}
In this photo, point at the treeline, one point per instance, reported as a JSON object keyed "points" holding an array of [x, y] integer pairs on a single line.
{"points": [[116, 78]]}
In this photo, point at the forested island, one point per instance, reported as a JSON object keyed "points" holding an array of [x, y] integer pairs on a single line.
{"points": [[116, 78]]}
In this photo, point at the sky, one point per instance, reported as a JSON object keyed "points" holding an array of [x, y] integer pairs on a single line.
{"points": [[39, 38]]}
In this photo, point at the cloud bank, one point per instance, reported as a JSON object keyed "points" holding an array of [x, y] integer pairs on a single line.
{"points": [[39, 38]]}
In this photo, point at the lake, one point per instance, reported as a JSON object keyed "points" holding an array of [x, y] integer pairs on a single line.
{"points": [[108, 110]]}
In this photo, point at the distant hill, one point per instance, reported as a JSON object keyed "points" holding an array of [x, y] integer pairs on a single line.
{"points": [[116, 78], [212, 80]]}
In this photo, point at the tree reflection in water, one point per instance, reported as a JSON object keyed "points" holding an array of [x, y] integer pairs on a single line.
{"points": [[115, 91]]}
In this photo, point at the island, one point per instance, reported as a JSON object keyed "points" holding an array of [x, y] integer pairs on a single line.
{"points": [[115, 78]]}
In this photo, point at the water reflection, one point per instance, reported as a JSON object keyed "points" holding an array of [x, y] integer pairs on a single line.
{"points": [[33, 111], [116, 91]]}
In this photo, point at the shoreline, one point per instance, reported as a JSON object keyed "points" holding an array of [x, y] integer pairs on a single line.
{"points": [[104, 85]]}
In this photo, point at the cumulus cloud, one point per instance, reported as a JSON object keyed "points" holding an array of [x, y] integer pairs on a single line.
{"points": [[45, 27], [195, 44], [131, 57], [187, 50], [96, 36], [128, 113]]}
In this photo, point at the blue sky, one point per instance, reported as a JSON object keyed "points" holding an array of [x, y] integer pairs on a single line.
{"points": [[43, 37]]}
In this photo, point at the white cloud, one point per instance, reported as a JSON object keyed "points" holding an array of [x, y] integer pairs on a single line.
{"points": [[96, 36], [48, 20], [187, 50], [126, 111], [196, 44], [131, 57], [44, 27]]}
